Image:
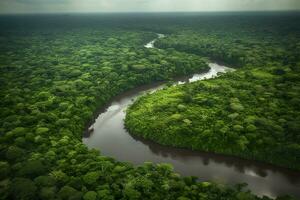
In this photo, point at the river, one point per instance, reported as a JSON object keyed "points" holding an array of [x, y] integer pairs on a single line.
{"points": [[112, 139]]}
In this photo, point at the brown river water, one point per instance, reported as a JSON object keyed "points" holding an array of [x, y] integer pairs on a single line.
{"points": [[112, 139]]}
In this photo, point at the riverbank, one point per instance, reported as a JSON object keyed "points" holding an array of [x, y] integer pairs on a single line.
{"points": [[109, 129], [111, 137]]}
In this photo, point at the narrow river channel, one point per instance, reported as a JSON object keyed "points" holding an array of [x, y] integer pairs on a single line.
{"points": [[111, 138]]}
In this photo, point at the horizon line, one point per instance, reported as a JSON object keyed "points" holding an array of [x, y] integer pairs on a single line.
{"points": [[146, 12]]}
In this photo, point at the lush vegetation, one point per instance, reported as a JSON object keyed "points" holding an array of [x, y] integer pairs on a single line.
{"points": [[54, 72], [253, 112]]}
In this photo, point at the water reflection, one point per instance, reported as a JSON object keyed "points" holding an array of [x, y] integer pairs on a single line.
{"points": [[243, 166], [113, 140]]}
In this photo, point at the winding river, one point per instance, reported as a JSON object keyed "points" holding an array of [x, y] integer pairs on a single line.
{"points": [[111, 138]]}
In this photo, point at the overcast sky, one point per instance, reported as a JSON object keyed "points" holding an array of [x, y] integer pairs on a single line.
{"points": [[50, 6]]}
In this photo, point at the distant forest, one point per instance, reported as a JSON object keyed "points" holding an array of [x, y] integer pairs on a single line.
{"points": [[56, 70]]}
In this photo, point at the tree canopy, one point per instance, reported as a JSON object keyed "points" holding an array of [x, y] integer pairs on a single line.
{"points": [[55, 71]]}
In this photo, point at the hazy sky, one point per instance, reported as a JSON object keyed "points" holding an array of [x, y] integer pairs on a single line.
{"points": [[50, 6]]}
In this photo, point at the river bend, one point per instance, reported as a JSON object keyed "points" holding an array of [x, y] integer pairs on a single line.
{"points": [[112, 139]]}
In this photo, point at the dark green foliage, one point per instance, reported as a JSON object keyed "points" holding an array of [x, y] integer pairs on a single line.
{"points": [[32, 168], [24, 189], [14, 153], [42, 181], [91, 177], [4, 170], [56, 70], [252, 113], [5, 189], [67, 192], [90, 195], [47, 193]]}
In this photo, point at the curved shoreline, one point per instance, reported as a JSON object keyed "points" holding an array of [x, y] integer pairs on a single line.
{"points": [[114, 141]]}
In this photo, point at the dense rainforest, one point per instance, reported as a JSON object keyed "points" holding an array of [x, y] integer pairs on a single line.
{"points": [[57, 70], [253, 112]]}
